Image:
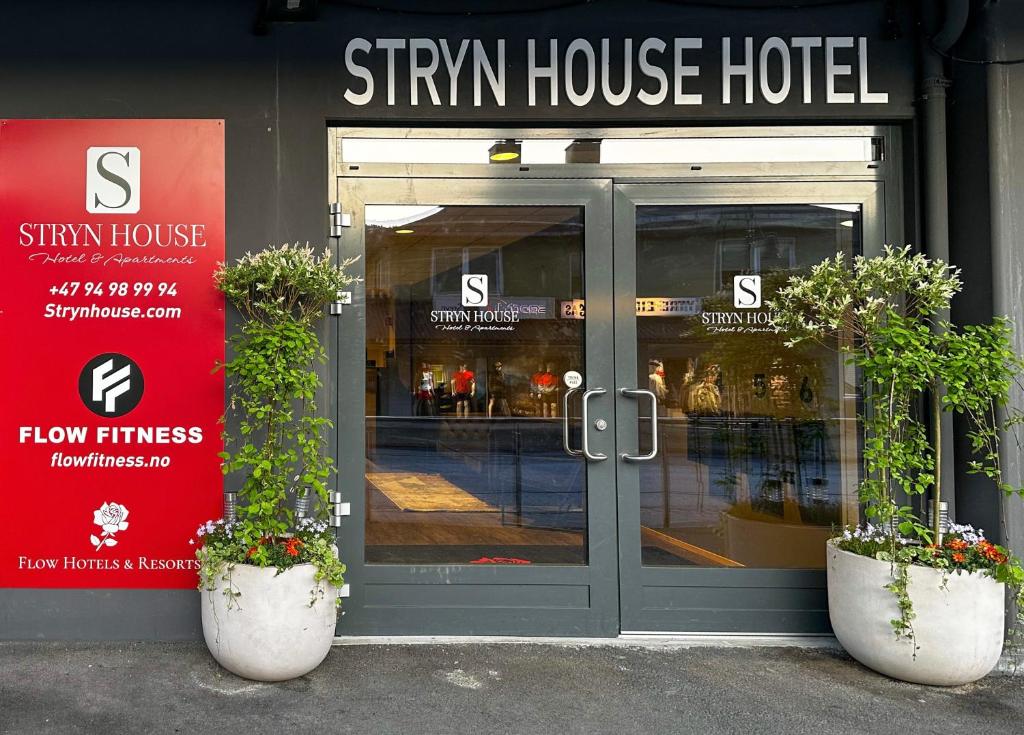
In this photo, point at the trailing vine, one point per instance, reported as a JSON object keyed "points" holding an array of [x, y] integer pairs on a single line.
{"points": [[884, 313], [904, 624]]}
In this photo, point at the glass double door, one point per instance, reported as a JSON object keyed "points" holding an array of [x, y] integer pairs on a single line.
{"points": [[563, 409]]}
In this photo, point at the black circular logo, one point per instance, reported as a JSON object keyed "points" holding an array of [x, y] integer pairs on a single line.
{"points": [[110, 385]]}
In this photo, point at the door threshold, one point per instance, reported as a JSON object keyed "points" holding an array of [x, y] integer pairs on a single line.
{"points": [[656, 641]]}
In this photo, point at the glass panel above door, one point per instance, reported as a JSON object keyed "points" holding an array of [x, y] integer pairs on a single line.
{"points": [[531, 151], [757, 459], [465, 355]]}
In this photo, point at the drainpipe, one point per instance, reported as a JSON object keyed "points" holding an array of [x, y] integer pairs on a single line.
{"points": [[937, 39]]}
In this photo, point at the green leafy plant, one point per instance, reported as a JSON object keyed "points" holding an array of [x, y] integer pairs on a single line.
{"points": [[311, 543], [884, 312], [278, 445]]}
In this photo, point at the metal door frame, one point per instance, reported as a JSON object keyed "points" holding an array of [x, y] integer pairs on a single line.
{"points": [[881, 186], [484, 599], [710, 599]]}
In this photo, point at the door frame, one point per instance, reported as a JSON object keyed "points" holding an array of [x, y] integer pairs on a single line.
{"points": [[885, 178], [485, 599], [709, 599]]}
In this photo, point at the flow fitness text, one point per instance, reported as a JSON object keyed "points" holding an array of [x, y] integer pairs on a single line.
{"points": [[110, 434]]}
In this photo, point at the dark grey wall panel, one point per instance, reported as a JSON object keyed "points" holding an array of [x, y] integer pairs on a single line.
{"points": [[99, 615], [1005, 88], [969, 235], [481, 596]]}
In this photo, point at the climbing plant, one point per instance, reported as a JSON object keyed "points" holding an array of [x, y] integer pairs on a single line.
{"points": [[277, 441], [884, 313]]}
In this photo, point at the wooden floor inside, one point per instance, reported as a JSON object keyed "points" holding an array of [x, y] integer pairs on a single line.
{"points": [[389, 525]]}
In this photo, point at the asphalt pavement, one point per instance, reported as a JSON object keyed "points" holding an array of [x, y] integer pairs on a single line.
{"points": [[480, 688]]}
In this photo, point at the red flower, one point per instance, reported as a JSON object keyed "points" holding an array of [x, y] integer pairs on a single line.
{"points": [[291, 546], [990, 552], [959, 558]]}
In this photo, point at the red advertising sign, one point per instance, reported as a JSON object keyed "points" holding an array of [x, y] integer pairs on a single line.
{"points": [[110, 325]]}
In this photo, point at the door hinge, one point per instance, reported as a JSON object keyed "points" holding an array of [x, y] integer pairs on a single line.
{"points": [[339, 220], [877, 149], [339, 509]]}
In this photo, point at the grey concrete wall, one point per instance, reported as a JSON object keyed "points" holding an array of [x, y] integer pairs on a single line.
{"points": [[1005, 36]]}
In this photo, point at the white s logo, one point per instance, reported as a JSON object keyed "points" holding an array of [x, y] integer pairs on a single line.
{"points": [[746, 292], [474, 290], [112, 178]]}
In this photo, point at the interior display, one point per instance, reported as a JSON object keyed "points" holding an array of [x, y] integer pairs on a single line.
{"points": [[458, 468], [463, 390], [656, 379], [544, 390], [757, 447], [705, 395], [497, 392], [806, 393], [424, 394]]}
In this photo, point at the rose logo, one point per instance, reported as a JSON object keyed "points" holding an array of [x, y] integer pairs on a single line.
{"points": [[111, 518]]}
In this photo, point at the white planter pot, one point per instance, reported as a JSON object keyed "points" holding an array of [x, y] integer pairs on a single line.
{"points": [[958, 626], [269, 632]]}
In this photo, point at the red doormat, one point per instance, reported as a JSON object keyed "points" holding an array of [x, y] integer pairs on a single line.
{"points": [[500, 560]]}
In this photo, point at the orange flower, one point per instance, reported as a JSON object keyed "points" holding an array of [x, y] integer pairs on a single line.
{"points": [[958, 557], [291, 546], [956, 544], [993, 554]]}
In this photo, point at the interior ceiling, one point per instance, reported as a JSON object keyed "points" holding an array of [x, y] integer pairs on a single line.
{"points": [[489, 227]]}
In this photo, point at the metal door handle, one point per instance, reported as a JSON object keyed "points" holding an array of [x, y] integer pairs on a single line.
{"points": [[636, 393], [586, 425], [565, 425]]}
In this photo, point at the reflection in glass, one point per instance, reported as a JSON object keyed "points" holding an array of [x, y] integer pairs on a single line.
{"points": [[758, 441], [465, 350]]}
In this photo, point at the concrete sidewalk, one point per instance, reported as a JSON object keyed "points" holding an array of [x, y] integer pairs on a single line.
{"points": [[480, 688]]}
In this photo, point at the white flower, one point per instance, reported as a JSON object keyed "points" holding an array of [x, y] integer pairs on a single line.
{"points": [[111, 518]]}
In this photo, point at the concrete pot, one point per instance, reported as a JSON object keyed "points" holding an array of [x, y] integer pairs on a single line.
{"points": [[270, 632], [774, 544], [958, 628]]}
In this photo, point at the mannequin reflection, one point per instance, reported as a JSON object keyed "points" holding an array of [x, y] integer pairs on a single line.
{"points": [[463, 390], [496, 394], [656, 379], [424, 392], [706, 398], [544, 390]]}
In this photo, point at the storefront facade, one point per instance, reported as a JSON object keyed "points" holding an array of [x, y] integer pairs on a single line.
{"points": [[560, 405]]}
